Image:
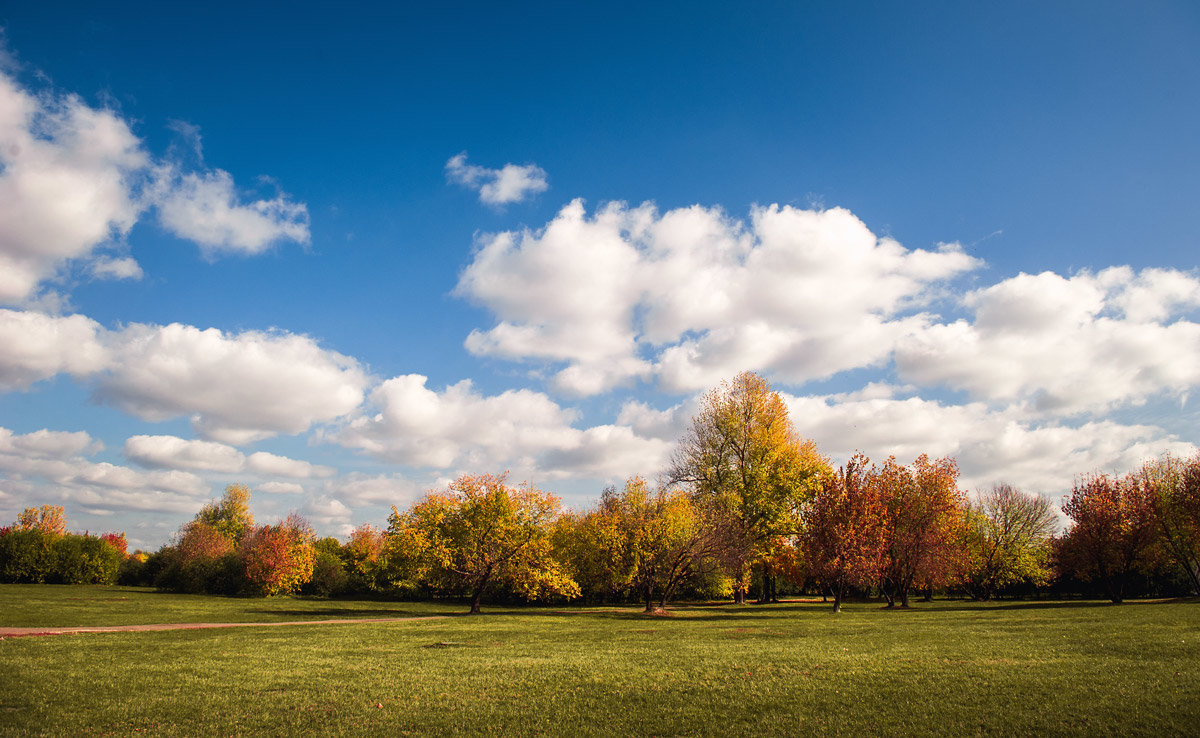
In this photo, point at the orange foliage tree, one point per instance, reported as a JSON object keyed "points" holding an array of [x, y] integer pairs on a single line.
{"points": [[480, 531], [922, 525], [843, 541], [1113, 530], [50, 520], [279, 558]]}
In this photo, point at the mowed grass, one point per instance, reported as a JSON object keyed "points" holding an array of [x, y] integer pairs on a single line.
{"points": [[947, 668]]}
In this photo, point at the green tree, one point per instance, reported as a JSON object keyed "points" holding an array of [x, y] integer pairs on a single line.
{"points": [[744, 461], [480, 531], [1173, 486], [1007, 537]]}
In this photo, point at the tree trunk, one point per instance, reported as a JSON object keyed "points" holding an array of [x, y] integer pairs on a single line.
{"points": [[649, 599], [475, 599], [929, 593], [904, 598], [837, 599]]}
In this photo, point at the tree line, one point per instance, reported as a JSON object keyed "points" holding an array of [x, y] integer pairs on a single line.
{"points": [[747, 508]]}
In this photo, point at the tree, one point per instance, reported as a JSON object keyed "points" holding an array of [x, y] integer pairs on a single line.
{"points": [[649, 540], [921, 525], [843, 539], [279, 558], [480, 531], [742, 457], [1007, 537], [231, 516], [1173, 486], [1113, 530], [51, 520]]}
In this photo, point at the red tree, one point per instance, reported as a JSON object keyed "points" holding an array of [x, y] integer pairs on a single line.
{"points": [[279, 558], [921, 527], [1113, 531], [843, 538]]}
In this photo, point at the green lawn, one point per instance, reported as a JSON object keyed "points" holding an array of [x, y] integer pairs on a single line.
{"points": [[945, 668]]}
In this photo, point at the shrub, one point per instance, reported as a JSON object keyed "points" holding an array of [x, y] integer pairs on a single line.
{"points": [[26, 555], [85, 560]]}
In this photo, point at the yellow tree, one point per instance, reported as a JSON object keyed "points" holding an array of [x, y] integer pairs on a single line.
{"points": [[51, 520], [480, 531], [231, 516], [743, 459], [650, 541]]}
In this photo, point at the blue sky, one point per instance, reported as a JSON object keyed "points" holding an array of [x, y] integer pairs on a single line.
{"points": [[238, 244]]}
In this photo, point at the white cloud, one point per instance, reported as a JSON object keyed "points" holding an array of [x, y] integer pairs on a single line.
{"points": [[521, 430], [171, 452], [74, 180], [361, 490], [800, 294], [1066, 345], [205, 208], [269, 464], [67, 178], [236, 387], [38, 346], [328, 514], [280, 488], [107, 267], [52, 466], [48, 444], [512, 183]]}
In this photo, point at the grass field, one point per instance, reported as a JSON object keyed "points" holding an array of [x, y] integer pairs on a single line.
{"points": [[948, 668]]}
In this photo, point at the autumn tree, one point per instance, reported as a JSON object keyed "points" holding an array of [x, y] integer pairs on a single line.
{"points": [[650, 540], [1173, 486], [361, 556], [50, 520], [230, 516], [479, 531], [843, 541], [742, 458], [1113, 530], [1007, 536], [922, 505], [279, 558]]}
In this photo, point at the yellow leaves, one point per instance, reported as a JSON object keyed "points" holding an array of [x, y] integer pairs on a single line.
{"points": [[51, 520]]}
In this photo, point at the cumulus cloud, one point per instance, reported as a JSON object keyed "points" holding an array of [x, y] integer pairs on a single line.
{"points": [[691, 296], [521, 430], [511, 183], [68, 175], [172, 452], [362, 490], [269, 464], [1066, 345], [206, 208], [47, 466], [237, 388], [75, 179], [38, 346], [108, 267]]}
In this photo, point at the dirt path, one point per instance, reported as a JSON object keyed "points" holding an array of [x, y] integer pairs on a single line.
{"points": [[8, 632]]}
